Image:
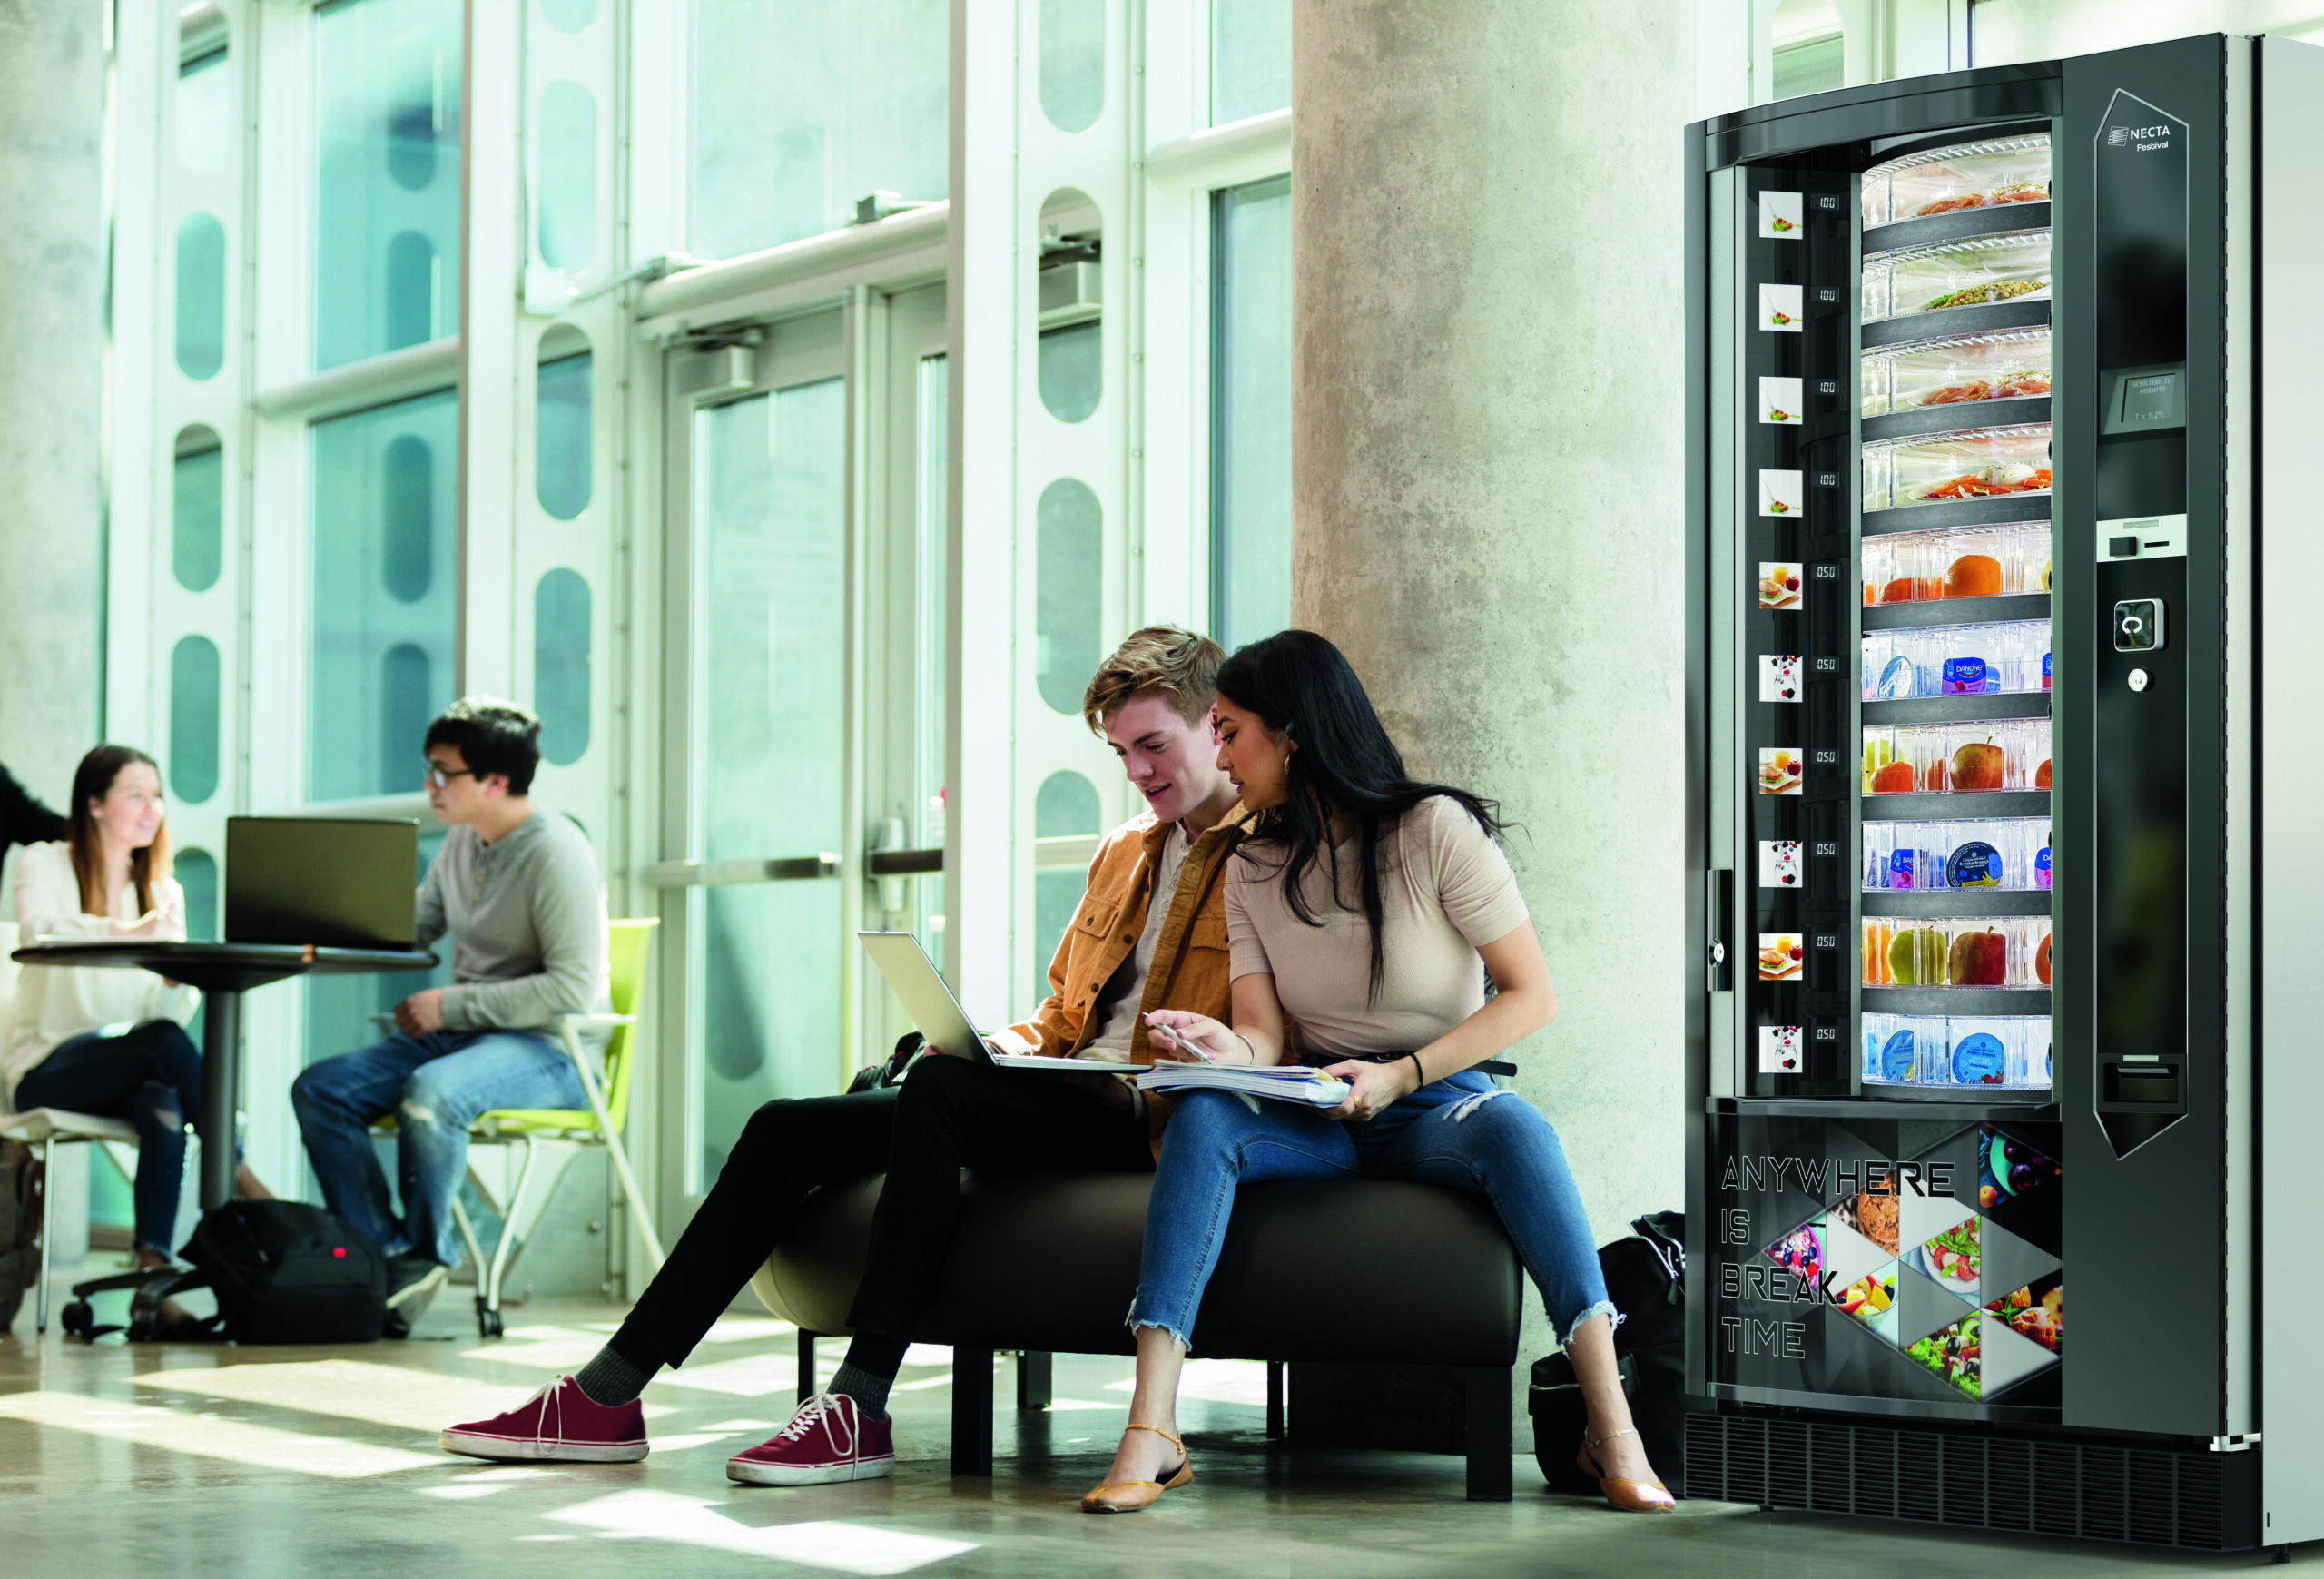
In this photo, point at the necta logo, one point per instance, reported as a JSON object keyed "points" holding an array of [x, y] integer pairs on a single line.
{"points": [[2118, 135]]}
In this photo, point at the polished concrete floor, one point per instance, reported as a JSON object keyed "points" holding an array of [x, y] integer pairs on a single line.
{"points": [[186, 1459]]}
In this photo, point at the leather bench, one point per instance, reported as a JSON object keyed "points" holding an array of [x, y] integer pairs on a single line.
{"points": [[1358, 1272]]}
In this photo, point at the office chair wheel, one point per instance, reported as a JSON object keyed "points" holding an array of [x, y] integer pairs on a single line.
{"points": [[78, 1321], [488, 1319]]}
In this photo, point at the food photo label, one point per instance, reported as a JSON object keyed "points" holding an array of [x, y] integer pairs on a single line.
{"points": [[1781, 215], [1782, 493], [1779, 678], [1779, 863], [1780, 767], [1779, 1049], [1782, 956], [1781, 585], [1780, 400], [1779, 308]]}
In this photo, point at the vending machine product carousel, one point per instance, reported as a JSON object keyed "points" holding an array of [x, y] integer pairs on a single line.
{"points": [[2004, 435]]}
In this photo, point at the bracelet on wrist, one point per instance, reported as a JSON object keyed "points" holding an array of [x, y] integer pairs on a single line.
{"points": [[1420, 1075]]}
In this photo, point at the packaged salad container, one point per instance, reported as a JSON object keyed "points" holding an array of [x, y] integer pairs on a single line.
{"points": [[2013, 266], [1969, 175], [1958, 371], [1983, 463]]}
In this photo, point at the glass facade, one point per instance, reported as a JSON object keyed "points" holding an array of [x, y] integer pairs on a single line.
{"points": [[1250, 553], [202, 296], [193, 719], [1073, 62], [931, 535], [1070, 580], [561, 418], [197, 509], [799, 107], [387, 202], [561, 666], [568, 176], [1250, 58], [1066, 807], [384, 607], [770, 652], [205, 105]]}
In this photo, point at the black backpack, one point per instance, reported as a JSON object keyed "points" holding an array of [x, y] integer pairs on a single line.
{"points": [[1645, 1274], [287, 1272]]}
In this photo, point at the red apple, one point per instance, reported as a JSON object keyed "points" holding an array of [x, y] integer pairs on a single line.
{"points": [[1978, 959], [1977, 766], [2041, 774], [2042, 961]]}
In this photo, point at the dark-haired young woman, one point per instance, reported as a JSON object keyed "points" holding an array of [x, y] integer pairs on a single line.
{"points": [[1360, 907], [109, 877]]}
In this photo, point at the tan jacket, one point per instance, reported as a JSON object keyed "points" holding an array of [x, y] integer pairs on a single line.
{"points": [[1191, 965]]}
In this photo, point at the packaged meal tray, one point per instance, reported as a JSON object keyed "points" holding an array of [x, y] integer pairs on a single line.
{"points": [[2011, 266], [1941, 468], [1993, 173], [1959, 371]]}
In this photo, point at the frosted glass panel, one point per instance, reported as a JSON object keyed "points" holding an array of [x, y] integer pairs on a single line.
{"points": [[193, 719], [1067, 805], [1072, 370], [200, 295], [382, 602], [1069, 528], [197, 873], [197, 509], [568, 176], [561, 665], [801, 107], [386, 92], [1250, 58], [769, 681], [205, 108], [1073, 62], [570, 15], [561, 437], [1251, 440]]}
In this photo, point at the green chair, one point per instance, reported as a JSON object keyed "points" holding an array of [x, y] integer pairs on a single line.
{"points": [[553, 1137]]}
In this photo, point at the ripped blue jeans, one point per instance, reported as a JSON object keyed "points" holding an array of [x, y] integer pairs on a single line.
{"points": [[1459, 1132]]}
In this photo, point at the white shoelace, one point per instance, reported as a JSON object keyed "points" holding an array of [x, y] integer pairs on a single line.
{"points": [[548, 1397], [825, 1407]]}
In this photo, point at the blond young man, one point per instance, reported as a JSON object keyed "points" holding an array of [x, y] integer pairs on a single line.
{"points": [[1150, 934]]}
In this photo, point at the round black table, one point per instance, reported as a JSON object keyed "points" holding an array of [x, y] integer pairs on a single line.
{"points": [[223, 971]]}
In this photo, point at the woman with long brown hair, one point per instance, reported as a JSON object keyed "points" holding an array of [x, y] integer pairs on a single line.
{"points": [[109, 877]]}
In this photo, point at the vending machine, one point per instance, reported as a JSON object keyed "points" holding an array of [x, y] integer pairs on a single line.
{"points": [[2006, 498]]}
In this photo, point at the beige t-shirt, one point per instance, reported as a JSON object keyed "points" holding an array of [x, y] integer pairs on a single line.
{"points": [[1445, 892]]}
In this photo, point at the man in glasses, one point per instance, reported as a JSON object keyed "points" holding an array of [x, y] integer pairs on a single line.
{"points": [[516, 886]]}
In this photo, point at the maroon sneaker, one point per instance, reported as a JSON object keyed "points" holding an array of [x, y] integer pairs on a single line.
{"points": [[828, 1439], [560, 1424]]}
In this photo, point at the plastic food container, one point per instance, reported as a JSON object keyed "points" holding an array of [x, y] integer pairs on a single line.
{"points": [[2000, 951], [2013, 266], [2002, 753], [1968, 562], [2002, 170], [1984, 463], [1957, 660], [1959, 372], [1972, 855], [1958, 1050]]}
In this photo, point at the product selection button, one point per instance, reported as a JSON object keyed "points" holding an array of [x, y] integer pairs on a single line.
{"points": [[2138, 625]]}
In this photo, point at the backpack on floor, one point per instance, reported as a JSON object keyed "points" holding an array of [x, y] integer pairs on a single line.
{"points": [[1645, 1274], [21, 1184], [287, 1272]]}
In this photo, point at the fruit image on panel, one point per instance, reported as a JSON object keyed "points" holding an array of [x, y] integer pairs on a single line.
{"points": [[1870, 1297], [1801, 1251], [2008, 1168], [1779, 863]]}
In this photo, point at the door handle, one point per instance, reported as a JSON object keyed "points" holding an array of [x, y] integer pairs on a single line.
{"points": [[1718, 905]]}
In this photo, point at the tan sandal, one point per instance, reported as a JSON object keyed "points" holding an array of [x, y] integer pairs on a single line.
{"points": [[1625, 1497], [1137, 1496]]}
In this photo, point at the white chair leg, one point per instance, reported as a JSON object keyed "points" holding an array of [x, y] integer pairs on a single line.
{"points": [[47, 1233], [630, 1192], [467, 1236], [542, 1169]]}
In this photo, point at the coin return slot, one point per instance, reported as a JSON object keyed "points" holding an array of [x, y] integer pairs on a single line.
{"points": [[2156, 1086]]}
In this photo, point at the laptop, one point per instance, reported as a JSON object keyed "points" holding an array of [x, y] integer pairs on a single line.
{"points": [[341, 883], [940, 1016]]}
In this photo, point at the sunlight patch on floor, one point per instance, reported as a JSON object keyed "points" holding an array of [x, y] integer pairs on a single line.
{"points": [[353, 1389], [844, 1548], [208, 1436]]}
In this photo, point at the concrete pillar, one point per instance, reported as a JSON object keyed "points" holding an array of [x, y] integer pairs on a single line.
{"points": [[52, 369], [1488, 289]]}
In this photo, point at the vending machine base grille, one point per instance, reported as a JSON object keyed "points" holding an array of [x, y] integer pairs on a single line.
{"points": [[2198, 1500]]}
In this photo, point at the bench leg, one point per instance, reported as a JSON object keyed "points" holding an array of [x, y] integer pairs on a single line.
{"points": [[1033, 1384], [1274, 1400], [806, 1364], [1488, 1435], [971, 1411]]}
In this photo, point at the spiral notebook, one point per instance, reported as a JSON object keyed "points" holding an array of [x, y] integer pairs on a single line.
{"points": [[1279, 1082]]}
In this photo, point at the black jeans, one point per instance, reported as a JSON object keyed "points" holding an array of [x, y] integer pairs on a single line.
{"points": [[151, 1075], [948, 1113]]}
